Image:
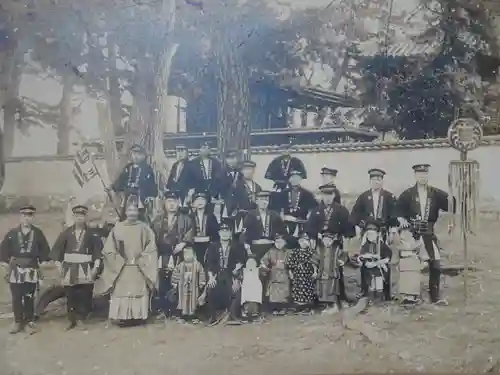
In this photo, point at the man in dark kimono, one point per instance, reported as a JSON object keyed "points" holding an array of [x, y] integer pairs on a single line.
{"points": [[77, 253], [206, 169], [419, 207], [225, 261], [181, 176], [297, 203], [279, 170], [376, 203], [136, 179], [329, 177], [229, 179], [21, 252], [261, 226], [333, 218], [206, 226], [246, 188], [173, 229]]}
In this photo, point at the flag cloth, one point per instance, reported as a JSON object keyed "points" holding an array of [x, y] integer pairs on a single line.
{"points": [[84, 169]]}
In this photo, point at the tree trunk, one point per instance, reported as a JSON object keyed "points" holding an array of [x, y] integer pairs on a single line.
{"points": [[66, 116], [111, 155], [115, 103], [232, 100], [12, 71]]}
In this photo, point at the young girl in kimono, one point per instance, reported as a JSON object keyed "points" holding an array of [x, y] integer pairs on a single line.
{"points": [[303, 273], [278, 286], [189, 279], [251, 290], [410, 251]]}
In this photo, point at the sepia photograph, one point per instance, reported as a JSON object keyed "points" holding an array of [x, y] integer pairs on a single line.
{"points": [[226, 186]]}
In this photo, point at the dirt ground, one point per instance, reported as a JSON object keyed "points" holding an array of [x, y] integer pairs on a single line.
{"points": [[427, 338]]}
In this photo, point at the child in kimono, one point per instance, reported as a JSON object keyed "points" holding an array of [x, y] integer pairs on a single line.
{"points": [[189, 279], [278, 286], [410, 251], [251, 290], [374, 259], [303, 273], [330, 258]]}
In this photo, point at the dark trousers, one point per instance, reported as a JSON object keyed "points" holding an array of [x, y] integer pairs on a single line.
{"points": [[434, 267], [165, 300], [23, 301], [79, 301], [223, 298]]}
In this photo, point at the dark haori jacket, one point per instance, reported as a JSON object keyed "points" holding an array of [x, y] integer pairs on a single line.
{"points": [[333, 218], [136, 179], [257, 227], [297, 202], [227, 182], [205, 225], [244, 194], [279, 170], [223, 267], [218, 264], [363, 210], [181, 177], [180, 229], [24, 253], [77, 254], [408, 204], [205, 174]]}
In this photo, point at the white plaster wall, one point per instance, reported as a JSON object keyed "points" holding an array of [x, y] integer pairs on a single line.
{"points": [[51, 176]]}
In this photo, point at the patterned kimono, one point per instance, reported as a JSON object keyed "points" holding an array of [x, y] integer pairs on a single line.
{"points": [[190, 279], [328, 284], [278, 286], [130, 270], [300, 263]]}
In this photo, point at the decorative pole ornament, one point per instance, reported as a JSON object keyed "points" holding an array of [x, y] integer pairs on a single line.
{"points": [[464, 135]]}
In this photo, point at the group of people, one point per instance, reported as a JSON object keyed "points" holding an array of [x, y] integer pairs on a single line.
{"points": [[220, 248]]}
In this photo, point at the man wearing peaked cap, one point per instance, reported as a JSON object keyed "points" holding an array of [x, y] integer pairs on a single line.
{"points": [[181, 177], [137, 178], [227, 182], [260, 226], [22, 251], [296, 203], [205, 224], [206, 170], [225, 259], [329, 177], [280, 168], [375, 204], [77, 253], [174, 229], [423, 217], [246, 188]]}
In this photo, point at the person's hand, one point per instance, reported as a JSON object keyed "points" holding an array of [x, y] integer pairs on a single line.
{"points": [[58, 266], [290, 276], [341, 263], [315, 274], [403, 223], [236, 285], [94, 272], [248, 249], [108, 189], [212, 282]]}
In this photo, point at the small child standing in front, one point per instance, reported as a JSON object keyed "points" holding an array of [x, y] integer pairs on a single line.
{"points": [[278, 286], [189, 279], [303, 273], [251, 290]]}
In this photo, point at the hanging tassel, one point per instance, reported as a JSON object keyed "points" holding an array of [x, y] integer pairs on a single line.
{"points": [[463, 184], [224, 212]]}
